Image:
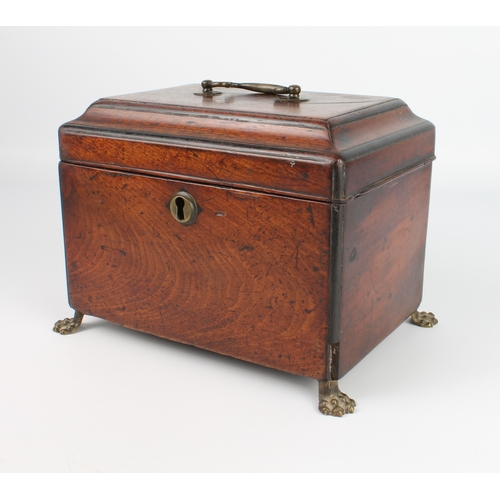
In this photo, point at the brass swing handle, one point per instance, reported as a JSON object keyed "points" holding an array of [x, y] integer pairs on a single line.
{"points": [[293, 91]]}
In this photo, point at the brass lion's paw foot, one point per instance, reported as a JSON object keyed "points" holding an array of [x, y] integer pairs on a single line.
{"points": [[424, 319], [332, 401], [69, 325]]}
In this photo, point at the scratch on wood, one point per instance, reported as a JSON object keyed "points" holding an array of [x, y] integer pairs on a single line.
{"points": [[297, 255], [310, 210]]}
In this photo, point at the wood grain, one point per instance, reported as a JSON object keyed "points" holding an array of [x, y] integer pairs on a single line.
{"points": [[249, 279], [297, 175], [382, 263], [252, 140]]}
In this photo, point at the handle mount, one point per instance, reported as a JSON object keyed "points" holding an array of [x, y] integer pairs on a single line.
{"points": [[293, 91]]}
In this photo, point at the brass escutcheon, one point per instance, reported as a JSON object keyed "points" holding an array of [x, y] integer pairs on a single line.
{"points": [[183, 208]]}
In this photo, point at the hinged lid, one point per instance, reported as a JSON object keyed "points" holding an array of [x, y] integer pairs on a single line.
{"points": [[373, 137]]}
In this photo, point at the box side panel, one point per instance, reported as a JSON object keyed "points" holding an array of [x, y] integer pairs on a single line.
{"points": [[382, 262], [375, 147], [393, 154], [248, 279]]}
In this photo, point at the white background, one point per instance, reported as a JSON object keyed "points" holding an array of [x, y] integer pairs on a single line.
{"points": [[112, 400]]}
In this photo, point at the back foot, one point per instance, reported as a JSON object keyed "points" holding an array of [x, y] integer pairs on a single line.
{"points": [[69, 325], [424, 319]]}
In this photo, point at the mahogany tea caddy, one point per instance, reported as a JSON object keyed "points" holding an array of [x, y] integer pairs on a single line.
{"points": [[282, 227]]}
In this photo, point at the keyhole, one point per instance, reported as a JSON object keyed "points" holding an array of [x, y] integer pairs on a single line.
{"points": [[183, 208], [179, 203]]}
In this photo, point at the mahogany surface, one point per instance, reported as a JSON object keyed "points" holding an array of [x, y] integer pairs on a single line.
{"points": [[257, 170], [248, 279], [295, 144], [382, 263], [309, 246]]}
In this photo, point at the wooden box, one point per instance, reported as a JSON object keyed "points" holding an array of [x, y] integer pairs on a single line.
{"points": [[288, 231]]}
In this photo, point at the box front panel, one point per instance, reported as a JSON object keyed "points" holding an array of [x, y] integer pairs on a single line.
{"points": [[248, 279]]}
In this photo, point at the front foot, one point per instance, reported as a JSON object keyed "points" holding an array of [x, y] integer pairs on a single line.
{"points": [[332, 401], [424, 319], [69, 325]]}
